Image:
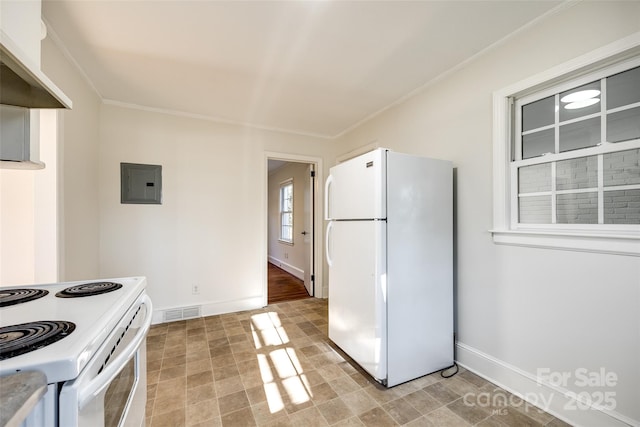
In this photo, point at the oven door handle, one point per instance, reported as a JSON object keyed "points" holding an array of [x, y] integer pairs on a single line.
{"points": [[102, 380]]}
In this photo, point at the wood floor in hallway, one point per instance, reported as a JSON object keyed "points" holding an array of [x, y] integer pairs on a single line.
{"points": [[284, 286]]}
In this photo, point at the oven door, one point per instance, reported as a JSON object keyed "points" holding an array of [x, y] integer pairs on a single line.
{"points": [[112, 389]]}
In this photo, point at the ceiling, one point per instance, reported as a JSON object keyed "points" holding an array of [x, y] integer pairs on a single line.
{"points": [[309, 67], [272, 165]]}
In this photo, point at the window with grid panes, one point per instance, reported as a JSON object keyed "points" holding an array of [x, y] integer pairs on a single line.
{"points": [[576, 153], [286, 211]]}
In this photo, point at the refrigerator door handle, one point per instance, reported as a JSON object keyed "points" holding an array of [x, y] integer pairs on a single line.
{"points": [[326, 244], [326, 196]]}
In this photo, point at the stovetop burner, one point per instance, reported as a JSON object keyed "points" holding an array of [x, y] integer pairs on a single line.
{"points": [[25, 337], [20, 295], [89, 289]]}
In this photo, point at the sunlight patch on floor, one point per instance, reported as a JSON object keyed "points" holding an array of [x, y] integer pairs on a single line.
{"points": [[274, 399], [265, 369], [280, 369]]}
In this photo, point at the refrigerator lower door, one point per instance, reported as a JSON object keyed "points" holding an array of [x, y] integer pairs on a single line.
{"points": [[357, 292]]}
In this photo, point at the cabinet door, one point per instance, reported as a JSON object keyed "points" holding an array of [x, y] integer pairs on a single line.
{"points": [[20, 22]]}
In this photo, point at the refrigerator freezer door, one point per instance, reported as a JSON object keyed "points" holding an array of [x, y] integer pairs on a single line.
{"points": [[356, 188], [357, 292]]}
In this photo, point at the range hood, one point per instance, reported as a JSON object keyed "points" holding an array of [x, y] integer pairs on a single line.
{"points": [[22, 83]]}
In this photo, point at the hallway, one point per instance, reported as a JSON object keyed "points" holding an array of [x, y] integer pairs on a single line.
{"points": [[284, 286]]}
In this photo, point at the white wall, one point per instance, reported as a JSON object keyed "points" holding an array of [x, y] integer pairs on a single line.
{"points": [[210, 229], [290, 257], [78, 167], [46, 203], [520, 309], [17, 241]]}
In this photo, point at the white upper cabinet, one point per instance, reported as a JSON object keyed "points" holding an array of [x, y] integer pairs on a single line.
{"points": [[20, 21], [22, 82]]}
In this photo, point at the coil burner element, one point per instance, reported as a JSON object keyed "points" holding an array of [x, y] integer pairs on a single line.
{"points": [[26, 337], [88, 289], [20, 295]]}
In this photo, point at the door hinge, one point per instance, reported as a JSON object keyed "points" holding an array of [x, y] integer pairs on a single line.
{"points": [[313, 174], [313, 277]]}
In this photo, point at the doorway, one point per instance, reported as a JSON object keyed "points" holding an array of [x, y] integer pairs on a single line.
{"points": [[283, 286], [292, 247]]}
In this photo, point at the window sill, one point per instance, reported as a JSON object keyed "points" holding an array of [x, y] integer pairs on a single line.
{"points": [[285, 242], [608, 243]]}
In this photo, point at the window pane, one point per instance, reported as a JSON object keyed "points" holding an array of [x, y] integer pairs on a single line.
{"points": [[581, 208], [533, 179], [622, 168], [535, 210], [577, 173], [287, 219], [286, 226], [622, 207], [580, 97], [286, 198], [538, 114], [582, 134], [623, 125], [287, 233], [286, 212], [538, 143], [623, 88]]}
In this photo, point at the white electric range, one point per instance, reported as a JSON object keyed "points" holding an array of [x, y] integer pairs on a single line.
{"points": [[89, 339]]}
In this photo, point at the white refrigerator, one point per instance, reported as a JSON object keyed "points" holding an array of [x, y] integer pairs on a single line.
{"points": [[389, 248]]}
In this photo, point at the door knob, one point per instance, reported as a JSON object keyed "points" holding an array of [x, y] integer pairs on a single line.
{"points": [[304, 233]]}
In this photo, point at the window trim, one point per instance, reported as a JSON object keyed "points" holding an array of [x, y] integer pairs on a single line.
{"points": [[284, 184], [600, 240]]}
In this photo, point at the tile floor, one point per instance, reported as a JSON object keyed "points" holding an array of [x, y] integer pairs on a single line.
{"points": [[276, 367]]}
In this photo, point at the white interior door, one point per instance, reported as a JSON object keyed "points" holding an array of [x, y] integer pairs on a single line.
{"points": [[357, 292], [308, 232]]}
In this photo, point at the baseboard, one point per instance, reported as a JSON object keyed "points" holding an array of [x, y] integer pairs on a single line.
{"points": [[213, 308], [553, 399], [287, 267]]}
